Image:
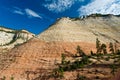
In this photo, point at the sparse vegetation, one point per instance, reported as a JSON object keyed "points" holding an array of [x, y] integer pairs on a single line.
{"points": [[99, 15], [95, 15], [81, 60]]}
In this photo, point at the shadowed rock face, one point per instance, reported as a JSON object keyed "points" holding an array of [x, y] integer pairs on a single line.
{"points": [[62, 37]]}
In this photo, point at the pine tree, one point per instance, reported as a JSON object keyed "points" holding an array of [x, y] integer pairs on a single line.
{"points": [[98, 46], [111, 48], [80, 51], [103, 48], [63, 59], [115, 47]]}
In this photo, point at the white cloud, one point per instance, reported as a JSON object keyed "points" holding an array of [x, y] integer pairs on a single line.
{"points": [[59, 5], [101, 6], [32, 13], [18, 11]]}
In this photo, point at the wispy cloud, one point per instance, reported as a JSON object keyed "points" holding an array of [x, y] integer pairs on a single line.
{"points": [[18, 11], [32, 13], [101, 6], [59, 5]]}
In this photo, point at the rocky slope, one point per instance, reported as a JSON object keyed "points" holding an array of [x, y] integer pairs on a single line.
{"points": [[106, 28], [38, 56], [10, 38]]}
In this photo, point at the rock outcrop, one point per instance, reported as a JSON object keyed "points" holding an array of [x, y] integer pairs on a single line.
{"points": [[106, 28], [26, 62], [10, 38]]}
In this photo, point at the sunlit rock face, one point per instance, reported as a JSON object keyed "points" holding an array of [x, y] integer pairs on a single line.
{"points": [[41, 52], [10, 38], [106, 28]]}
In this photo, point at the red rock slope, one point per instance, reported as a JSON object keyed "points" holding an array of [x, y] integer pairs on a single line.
{"points": [[27, 60]]}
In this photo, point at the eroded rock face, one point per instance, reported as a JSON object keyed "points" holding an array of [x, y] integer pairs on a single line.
{"points": [[107, 29], [64, 36], [10, 38], [37, 54]]}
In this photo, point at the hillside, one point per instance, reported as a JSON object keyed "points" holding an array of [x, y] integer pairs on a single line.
{"points": [[10, 38], [106, 28], [39, 56]]}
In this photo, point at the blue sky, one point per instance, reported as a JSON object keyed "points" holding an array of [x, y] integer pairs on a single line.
{"points": [[36, 15]]}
